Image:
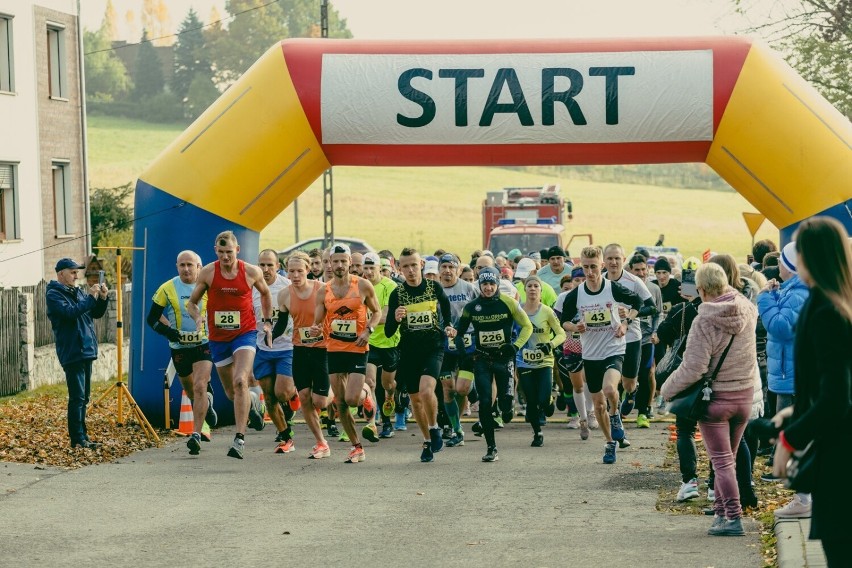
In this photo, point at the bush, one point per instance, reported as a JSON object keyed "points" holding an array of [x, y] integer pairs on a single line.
{"points": [[163, 107]]}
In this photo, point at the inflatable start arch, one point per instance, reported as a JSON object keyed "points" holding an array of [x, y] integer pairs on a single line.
{"points": [[306, 105]]}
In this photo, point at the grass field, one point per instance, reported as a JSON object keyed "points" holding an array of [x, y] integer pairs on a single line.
{"points": [[441, 207]]}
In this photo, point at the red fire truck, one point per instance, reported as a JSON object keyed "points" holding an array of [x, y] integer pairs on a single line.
{"points": [[524, 218]]}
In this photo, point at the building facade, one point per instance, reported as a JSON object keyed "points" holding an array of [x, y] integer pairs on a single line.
{"points": [[44, 213]]}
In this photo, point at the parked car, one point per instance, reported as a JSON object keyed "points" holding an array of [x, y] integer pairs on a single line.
{"points": [[307, 245]]}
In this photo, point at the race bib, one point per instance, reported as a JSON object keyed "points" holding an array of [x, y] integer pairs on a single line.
{"points": [[306, 338], [468, 341], [419, 320], [597, 318], [190, 337], [532, 355], [492, 338], [344, 330], [227, 320]]}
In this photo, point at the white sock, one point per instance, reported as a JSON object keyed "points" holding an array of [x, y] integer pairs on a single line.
{"points": [[590, 404], [257, 391], [580, 401]]}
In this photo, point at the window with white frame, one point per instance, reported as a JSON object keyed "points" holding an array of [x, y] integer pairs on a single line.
{"points": [[7, 76], [63, 204], [9, 225], [56, 62]]}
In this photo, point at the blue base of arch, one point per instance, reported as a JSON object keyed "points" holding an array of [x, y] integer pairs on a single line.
{"points": [[842, 212], [166, 226]]}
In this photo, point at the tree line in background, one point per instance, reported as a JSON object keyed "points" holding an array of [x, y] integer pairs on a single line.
{"points": [[169, 78]]}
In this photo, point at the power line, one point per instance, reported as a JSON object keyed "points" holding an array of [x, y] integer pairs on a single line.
{"points": [[112, 226], [149, 40]]}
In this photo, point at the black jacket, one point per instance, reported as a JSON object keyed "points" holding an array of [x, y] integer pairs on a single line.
{"points": [[823, 411], [71, 312]]}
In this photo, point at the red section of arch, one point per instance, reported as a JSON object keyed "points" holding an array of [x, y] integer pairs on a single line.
{"points": [[304, 61]]}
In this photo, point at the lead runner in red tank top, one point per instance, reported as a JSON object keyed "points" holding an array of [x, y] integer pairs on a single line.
{"points": [[341, 316], [232, 328]]}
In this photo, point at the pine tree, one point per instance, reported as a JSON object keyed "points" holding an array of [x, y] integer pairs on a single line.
{"points": [[191, 59], [149, 79]]}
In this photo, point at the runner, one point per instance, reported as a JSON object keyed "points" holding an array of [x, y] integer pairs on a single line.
{"points": [[456, 371], [316, 264], [189, 345], [341, 316], [602, 337], [647, 384], [493, 315], [414, 305], [556, 268], [232, 327], [383, 354], [535, 358], [273, 365], [310, 370], [614, 261]]}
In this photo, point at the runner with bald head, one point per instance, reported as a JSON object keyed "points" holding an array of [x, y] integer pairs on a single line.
{"points": [[169, 317]]}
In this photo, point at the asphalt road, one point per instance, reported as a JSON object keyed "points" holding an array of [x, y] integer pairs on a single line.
{"points": [[552, 506]]}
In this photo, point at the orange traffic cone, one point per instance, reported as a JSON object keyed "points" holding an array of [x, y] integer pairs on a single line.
{"points": [[266, 417], [186, 421]]}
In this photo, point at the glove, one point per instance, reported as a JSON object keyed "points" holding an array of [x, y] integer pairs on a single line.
{"points": [[545, 348], [508, 351], [169, 333]]}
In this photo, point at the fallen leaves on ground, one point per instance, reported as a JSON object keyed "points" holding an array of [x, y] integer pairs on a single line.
{"points": [[34, 430]]}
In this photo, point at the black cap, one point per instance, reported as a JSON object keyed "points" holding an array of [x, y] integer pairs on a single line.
{"points": [[67, 263], [662, 264], [555, 250]]}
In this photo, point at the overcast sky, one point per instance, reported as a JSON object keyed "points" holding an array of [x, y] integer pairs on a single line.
{"points": [[458, 19]]}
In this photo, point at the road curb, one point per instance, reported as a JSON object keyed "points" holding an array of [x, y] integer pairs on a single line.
{"points": [[794, 548]]}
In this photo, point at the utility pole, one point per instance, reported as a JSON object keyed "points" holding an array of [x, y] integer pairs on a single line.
{"points": [[327, 185]]}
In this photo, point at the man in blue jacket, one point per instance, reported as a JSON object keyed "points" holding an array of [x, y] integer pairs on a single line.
{"points": [[779, 306], [71, 311]]}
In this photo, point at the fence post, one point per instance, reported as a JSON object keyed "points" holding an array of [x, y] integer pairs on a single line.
{"points": [[26, 327]]}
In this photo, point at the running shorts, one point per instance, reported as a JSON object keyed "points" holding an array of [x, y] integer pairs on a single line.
{"points": [[186, 357], [595, 370]]}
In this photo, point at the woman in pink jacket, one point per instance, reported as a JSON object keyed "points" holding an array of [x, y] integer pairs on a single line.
{"points": [[723, 314]]}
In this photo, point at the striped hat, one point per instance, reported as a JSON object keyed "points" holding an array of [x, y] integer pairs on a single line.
{"points": [[789, 256]]}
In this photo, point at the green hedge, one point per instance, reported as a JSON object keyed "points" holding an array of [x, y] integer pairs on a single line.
{"points": [[164, 107]]}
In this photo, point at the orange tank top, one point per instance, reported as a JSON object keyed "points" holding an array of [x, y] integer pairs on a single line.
{"points": [[345, 319], [302, 312]]}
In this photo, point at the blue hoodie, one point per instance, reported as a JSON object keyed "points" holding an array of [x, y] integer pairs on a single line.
{"points": [[71, 312], [779, 311]]}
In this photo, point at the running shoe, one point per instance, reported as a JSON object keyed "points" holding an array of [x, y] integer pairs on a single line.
{"points": [[550, 408], [561, 401], [447, 433], [387, 431], [457, 440], [498, 423], [333, 431], [285, 446], [507, 414], [795, 509], [319, 451], [642, 421], [437, 441], [211, 417], [538, 440], [205, 437], [584, 429], [593, 421], [728, 527], [491, 456], [711, 494], [369, 408], [629, 402], [255, 420], [344, 437], [688, 490], [286, 411], [574, 422], [388, 407], [609, 453], [477, 428], [616, 427], [370, 432], [400, 422], [194, 444], [295, 403], [624, 443], [522, 410], [237, 448], [356, 454], [427, 455]]}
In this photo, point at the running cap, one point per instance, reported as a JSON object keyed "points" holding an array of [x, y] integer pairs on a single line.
{"points": [[340, 248], [372, 259], [431, 267], [488, 274], [536, 255], [577, 272], [513, 254], [789, 256], [506, 271], [524, 268], [68, 263], [385, 263], [450, 258], [662, 265], [555, 250]]}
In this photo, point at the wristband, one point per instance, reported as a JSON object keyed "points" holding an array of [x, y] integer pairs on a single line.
{"points": [[266, 320], [783, 439]]}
